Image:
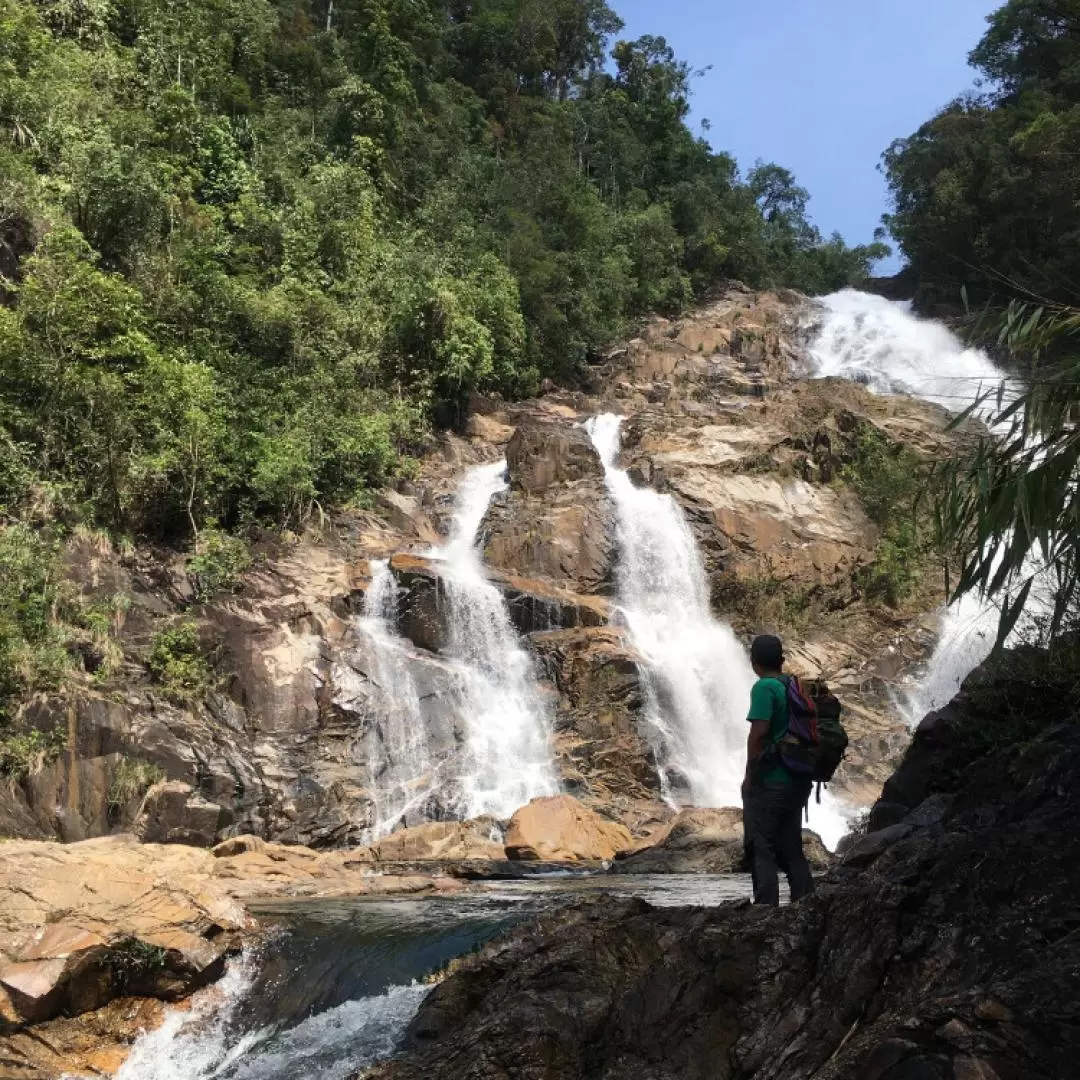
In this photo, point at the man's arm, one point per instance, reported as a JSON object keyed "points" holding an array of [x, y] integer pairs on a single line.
{"points": [[756, 742]]}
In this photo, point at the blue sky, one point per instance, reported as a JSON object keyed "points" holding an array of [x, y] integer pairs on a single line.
{"points": [[819, 86]]}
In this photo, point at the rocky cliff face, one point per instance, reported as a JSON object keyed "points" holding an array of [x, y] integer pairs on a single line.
{"points": [[944, 947], [719, 414]]}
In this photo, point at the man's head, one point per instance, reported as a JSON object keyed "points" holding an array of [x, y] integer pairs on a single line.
{"points": [[767, 655]]}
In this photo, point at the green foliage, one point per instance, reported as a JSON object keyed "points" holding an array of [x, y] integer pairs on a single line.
{"points": [[218, 563], [25, 752], [886, 476], [1009, 512], [131, 779], [890, 480], [769, 603], [177, 662], [252, 249], [132, 959], [899, 563], [32, 644], [987, 193]]}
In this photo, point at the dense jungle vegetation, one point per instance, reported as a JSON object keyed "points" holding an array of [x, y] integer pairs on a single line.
{"points": [[251, 248], [987, 208]]}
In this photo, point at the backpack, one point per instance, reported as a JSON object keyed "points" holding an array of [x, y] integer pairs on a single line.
{"points": [[815, 740]]}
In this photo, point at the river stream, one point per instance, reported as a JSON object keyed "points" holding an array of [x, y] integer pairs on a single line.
{"points": [[338, 981]]}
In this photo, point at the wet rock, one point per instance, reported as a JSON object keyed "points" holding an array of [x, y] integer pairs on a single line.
{"points": [[560, 828], [881, 974], [532, 605], [540, 455], [91, 1044]]}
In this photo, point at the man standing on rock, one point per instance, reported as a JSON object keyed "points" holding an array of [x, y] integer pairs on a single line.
{"points": [[773, 798]]}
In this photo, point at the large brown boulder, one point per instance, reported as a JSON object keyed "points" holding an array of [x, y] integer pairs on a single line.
{"points": [[438, 841], [542, 454], [559, 828], [601, 737], [565, 533], [84, 923]]}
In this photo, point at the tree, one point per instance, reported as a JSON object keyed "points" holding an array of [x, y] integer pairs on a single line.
{"points": [[987, 193], [1010, 512]]}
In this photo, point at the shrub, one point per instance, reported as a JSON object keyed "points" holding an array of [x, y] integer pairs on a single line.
{"points": [[886, 477], [25, 752], [178, 663], [218, 563], [32, 652], [899, 561], [131, 958]]}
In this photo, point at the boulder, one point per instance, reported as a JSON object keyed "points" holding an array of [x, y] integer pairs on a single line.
{"points": [[542, 454], [564, 534], [488, 429], [697, 841], [601, 737], [438, 840], [174, 813], [705, 841], [559, 828], [84, 923], [533, 605]]}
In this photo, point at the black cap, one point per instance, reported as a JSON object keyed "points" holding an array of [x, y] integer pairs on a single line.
{"points": [[767, 651]]}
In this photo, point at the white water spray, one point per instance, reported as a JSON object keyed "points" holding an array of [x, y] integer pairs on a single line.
{"points": [[881, 344], [203, 1043], [192, 1044], [401, 775], [697, 675], [508, 757]]}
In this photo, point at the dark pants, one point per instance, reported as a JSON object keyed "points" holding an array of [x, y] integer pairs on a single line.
{"points": [[772, 831]]}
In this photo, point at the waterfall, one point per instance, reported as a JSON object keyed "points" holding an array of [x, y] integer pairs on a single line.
{"points": [[401, 774], [508, 757], [881, 344], [208, 1042], [697, 676]]}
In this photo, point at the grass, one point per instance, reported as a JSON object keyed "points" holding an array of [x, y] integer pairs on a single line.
{"points": [[132, 778]]}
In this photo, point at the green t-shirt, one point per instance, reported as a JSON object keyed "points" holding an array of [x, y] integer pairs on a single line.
{"points": [[768, 701]]}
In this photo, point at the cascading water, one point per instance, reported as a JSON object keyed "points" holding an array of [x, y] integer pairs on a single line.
{"points": [[697, 675], [200, 1044], [401, 775], [508, 756], [881, 344]]}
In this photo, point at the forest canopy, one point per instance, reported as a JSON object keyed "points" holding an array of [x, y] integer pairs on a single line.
{"points": [[250, 250], [987, 193]]}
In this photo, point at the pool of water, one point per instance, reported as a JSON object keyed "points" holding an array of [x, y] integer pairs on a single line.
{"points": [[337, 981]]}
